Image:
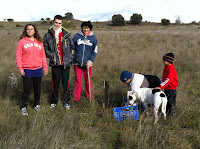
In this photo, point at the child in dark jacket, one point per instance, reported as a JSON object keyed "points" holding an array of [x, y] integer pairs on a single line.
{"points": [[169, 82]]}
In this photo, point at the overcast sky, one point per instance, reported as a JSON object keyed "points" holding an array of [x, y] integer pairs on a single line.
{"points": [[101, 10]]}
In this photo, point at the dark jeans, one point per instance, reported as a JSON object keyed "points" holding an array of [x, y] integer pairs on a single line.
{"points": [[59, 72], [171, 101], [28, 83]]}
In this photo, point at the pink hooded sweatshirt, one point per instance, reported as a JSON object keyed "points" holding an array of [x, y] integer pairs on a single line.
{"points": [[30, 55]]}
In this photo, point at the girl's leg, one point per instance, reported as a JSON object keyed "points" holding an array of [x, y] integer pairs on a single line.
{"points": [[37, 90], [27, 83], [78, 82], [87, 88]]}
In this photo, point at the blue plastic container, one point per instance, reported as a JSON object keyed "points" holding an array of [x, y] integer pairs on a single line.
{"points": [[122, 113]]}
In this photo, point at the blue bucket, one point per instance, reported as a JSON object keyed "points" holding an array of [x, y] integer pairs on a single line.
{"points": [[122, 113]]}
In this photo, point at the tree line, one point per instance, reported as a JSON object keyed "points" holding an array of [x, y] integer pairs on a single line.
{"points": [[117, 19]]}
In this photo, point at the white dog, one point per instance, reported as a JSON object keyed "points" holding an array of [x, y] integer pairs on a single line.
{"points": [[148, 96]]}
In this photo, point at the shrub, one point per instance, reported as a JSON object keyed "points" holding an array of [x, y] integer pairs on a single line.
{"points": [[43, 22], [17, 25], [136, 19], [48, 19], [118, 20], [165, 22], [10, 20], [69, 16], [68, 24]]}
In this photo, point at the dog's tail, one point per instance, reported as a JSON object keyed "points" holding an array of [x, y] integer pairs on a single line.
{"points": [[164, 104]]}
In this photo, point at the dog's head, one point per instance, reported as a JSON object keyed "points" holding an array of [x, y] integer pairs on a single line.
{"points": [[131, 96]]}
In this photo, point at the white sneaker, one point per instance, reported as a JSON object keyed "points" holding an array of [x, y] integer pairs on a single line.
{"points": [[67, 106], [24, 111], [37, 108], [53, 105]]}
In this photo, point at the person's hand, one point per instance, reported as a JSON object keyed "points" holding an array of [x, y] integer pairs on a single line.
{"points": [[88, 64], [22, 72], [45, 72], [157, 88]]}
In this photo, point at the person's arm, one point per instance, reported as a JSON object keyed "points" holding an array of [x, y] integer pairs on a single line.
{"points": [[48, 52], [19, 52], [93, 55], [168, 79], [72, 46], [44, 61]]}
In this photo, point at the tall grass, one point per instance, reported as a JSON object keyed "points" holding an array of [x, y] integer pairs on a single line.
{"points": [[88, 125]]}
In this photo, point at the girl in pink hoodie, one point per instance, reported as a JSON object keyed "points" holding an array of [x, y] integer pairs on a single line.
{"points": [[31, 62]]}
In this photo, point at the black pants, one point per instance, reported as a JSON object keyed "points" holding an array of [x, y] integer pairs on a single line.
{"points": [[154, 81], [171, 101], [59, 72], [28, 83]]}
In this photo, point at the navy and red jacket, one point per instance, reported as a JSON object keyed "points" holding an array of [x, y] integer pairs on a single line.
{"points": [[170, 78], [85, 48]]}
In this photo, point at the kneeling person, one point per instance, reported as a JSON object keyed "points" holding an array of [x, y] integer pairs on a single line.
{"points": [[136, 80]]}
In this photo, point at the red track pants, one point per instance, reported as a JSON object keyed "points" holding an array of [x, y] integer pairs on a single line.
{"points": [[78, 81]]}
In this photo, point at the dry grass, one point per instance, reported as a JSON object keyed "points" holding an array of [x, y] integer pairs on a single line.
{"points": [[87, 125]]}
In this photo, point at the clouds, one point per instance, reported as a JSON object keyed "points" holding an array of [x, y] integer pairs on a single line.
{"points": [[95, 10]]}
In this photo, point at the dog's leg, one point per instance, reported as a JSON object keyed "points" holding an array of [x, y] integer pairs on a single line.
{"points": [[156, 114], [164, 105], [157, 103], [146, 107]]}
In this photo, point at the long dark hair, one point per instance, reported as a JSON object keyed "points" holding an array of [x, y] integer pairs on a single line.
{"points": [[36, 35]]}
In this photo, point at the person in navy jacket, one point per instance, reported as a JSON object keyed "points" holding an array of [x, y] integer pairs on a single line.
{"points": [[84, 56]]}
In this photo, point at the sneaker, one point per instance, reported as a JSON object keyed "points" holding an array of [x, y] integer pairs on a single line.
{"points": [[37, 108], [67, 106], [53, 105], [24, 111]]}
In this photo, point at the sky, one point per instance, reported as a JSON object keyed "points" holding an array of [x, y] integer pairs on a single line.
{"points": [[101, 10]]}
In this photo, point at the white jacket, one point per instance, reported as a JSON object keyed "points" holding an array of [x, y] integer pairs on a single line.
{"points": [[138, 81]]}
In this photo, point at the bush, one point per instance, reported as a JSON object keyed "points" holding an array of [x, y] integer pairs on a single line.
{"points": [[165, 22], [69, 16], [118, 20], [68, 24], [17, 25], [10, 20], [136, 19]]}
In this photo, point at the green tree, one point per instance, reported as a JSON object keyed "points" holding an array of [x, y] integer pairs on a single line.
{"points": [[47, 19], [165, 22], [118, 20], [69, 16], [136, 18], [10, 20]]}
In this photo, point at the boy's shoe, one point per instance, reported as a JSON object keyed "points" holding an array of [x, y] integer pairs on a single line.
{"points": [[37, 108], [53, 105], [67, 106], [24, 111]]}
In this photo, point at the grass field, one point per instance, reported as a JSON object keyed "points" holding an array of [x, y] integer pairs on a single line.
{"points": [[88, 125]]}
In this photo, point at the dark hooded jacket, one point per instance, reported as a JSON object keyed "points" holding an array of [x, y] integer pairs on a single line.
{"points": [[51, 50]]}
